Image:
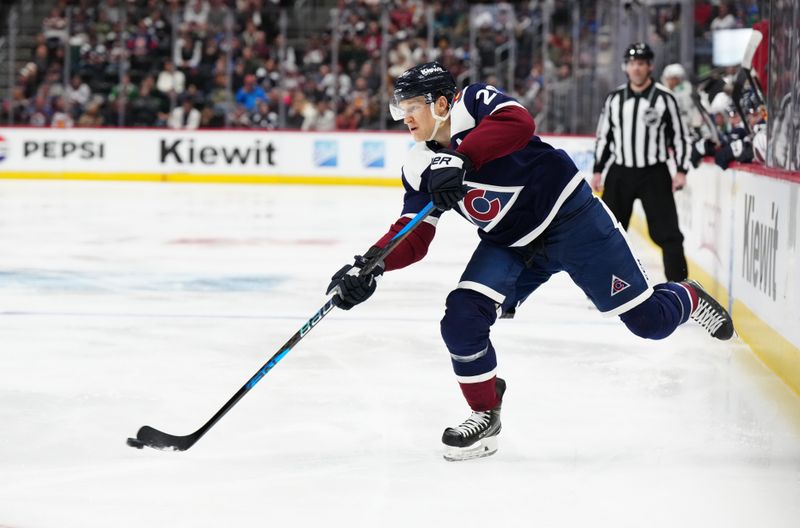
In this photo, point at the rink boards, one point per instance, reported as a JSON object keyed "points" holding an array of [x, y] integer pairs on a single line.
{"points": [[740, 226], [741, 240], [213, 155]]}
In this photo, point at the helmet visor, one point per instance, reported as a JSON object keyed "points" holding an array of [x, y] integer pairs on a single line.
{"points": [[400, 108]]}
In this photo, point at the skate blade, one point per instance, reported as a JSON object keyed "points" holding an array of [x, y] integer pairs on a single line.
{"points": [[483, 448]]}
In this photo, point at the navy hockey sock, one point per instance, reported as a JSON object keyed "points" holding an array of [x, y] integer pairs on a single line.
{"points": [[465, 330], [670, 306]]}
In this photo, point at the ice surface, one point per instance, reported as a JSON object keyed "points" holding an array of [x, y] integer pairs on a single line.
{"points": [[125, 304]]}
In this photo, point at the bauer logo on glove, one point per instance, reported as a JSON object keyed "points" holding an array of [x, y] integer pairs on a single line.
{"points": [[446, 181]]}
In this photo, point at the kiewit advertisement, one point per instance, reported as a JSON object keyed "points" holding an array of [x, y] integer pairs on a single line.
{"points": [[765, 259]]}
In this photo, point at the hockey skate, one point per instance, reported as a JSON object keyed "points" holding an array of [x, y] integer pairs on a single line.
{"points": [[476, 437], [710, 314]]}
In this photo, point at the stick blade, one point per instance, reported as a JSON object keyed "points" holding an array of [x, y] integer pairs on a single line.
{"points": [[156, 439]]}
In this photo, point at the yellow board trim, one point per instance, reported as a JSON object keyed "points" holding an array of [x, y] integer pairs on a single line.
{"points": [[175, 177], [777, 353], [774, 350]]}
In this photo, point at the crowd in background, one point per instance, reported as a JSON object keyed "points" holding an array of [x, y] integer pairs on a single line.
{"points": [[153, 63]]}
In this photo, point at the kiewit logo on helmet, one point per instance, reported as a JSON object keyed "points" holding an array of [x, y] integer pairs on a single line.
{"points": [[432, 69]]}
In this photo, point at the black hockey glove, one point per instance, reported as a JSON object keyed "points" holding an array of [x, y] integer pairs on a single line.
{"points": [[446, 181], [351, 289]]}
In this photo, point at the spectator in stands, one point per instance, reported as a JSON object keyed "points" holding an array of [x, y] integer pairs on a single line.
{"points": [[260, 47], [171, 81], [249, 60], [29, 79], [217, 15], [196, 14], [185, 116], [373, 39], [41, 58], [269, 76], [249, 94], [103, 25], [188, 52], [91, 117], [117, 112], [125, 90], [359, 96], [193, 93], [406, 13], [54, 27], [52, 85], [112, 10], [264, 117], [703, 14], [147, 109], [350, 119], [324, 118], [60, 117], [725, 19], [560, 100], [16, 109], [318, 116], [294, 112], [78, 93], [314, 55], [250, 33], [40, 111], [218, 97], [141, 44]]}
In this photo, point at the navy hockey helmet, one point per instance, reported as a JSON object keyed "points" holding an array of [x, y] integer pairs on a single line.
{"points": [[430, 80], [639, 50]]}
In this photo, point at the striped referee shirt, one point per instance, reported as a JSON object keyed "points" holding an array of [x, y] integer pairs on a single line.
{"points": [[638, 129]]}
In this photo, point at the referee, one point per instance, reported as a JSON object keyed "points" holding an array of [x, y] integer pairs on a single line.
{"points": [[639, 125]]}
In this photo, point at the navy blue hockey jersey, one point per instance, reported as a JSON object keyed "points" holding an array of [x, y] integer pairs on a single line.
{"points": [[511, 199]]}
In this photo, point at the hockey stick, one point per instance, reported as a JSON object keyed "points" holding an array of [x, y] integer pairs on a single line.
{"points": [[150, 437]]}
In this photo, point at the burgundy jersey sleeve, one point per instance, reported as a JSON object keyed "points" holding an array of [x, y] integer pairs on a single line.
{"points": [[486, 124]]}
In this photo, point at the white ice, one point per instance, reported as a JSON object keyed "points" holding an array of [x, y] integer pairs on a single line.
{"points": [[124, 304]]}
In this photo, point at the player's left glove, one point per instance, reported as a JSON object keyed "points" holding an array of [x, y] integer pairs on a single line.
{"points": [[446, 181], [348, 287]]}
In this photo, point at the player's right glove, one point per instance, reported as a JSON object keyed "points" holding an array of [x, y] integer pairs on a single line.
{"points": [[446, 181], [348, 287]]}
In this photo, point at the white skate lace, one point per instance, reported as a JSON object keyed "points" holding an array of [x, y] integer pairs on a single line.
{"points": [[707, 317], [475, 423]]}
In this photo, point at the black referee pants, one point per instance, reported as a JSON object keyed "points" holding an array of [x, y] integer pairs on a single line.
{"points": [[653, 186]]}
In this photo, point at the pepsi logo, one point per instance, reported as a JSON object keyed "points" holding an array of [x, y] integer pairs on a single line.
{"points": [[3, 148]]}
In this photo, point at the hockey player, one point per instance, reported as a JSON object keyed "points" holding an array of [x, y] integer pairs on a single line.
{"points": [[476, 152]]}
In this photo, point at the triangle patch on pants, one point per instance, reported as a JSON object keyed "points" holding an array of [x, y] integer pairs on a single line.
{"points": [[617, 285]]}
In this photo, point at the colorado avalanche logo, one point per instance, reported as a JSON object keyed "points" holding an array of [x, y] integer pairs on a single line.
{"points": [[617, 285], [485, 207]]}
